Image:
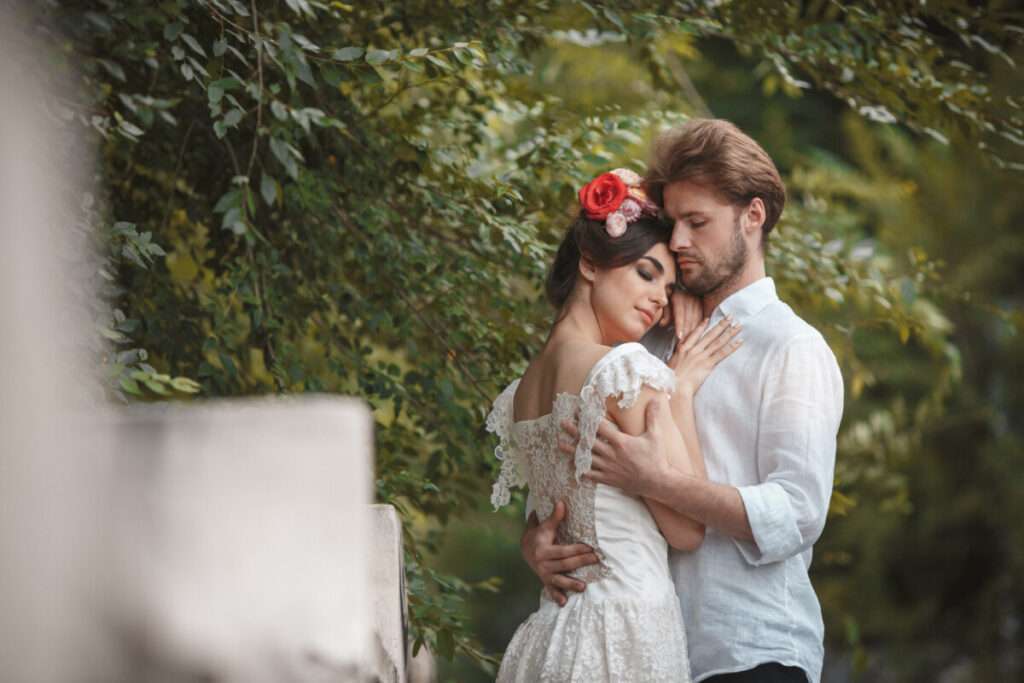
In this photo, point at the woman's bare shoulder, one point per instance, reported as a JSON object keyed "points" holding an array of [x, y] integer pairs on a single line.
{"points": [[575, 360]]}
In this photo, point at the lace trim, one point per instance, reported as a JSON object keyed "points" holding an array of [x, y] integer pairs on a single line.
{"points": [[622, 372], [513, 469]]}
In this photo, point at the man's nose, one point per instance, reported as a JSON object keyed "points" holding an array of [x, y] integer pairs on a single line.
{"points": [[680, 237]]}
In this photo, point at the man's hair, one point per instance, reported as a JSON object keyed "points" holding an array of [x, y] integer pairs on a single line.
{"points": [[717, 154]]}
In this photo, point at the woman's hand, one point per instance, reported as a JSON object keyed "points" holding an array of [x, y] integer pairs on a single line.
{"points": [[684, 313], [696, 356]]}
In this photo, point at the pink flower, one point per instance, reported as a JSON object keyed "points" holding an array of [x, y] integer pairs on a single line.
{"points": [[627, 176], [616, 224], [631, 209]]}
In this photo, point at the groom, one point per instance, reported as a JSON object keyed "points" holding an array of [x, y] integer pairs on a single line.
{"points": [[767, 419]]}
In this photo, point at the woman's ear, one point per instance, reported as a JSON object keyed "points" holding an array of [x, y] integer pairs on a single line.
{"points": [[588, 271]]}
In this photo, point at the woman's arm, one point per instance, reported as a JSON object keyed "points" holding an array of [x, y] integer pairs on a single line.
{"points": [[681, 532]]}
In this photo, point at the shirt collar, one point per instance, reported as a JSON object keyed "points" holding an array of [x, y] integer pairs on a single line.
{"points": [[748, 301]]}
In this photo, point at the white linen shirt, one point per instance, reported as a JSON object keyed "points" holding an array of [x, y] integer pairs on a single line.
{"points": [[767, 419]]}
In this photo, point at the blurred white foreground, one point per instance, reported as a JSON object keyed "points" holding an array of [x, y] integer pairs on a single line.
{"points": [[201, 542]]}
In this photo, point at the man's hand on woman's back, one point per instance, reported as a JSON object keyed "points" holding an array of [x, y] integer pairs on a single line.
{"points": [[549, 560]]}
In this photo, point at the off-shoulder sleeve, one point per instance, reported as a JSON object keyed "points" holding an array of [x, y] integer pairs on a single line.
{"points": [[513, 469], [622, 372]]}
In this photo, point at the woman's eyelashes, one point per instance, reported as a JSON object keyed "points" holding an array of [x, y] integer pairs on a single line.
{"points": [[645, 275]]}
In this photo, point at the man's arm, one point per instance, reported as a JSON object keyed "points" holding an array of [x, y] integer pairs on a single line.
{"points": [[796, 451], [785, 512], [640, 465]]}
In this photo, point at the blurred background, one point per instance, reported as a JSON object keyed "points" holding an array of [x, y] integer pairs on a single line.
{"points": [[362, 198]]}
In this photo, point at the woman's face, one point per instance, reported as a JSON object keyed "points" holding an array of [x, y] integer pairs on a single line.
{"points": [[630, 299]]}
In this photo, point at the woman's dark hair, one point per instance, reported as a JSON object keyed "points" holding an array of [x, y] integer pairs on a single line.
{"points": [[589, 237]]}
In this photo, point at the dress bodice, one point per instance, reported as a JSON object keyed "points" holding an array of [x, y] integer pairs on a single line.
{"points": [[530, 455]]}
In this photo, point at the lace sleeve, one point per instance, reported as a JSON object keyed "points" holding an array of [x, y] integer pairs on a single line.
{"points": [[513, 470], [623, 372]]}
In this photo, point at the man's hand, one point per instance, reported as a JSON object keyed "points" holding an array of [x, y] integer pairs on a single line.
{"points": [[549, 560], [634, 464]]}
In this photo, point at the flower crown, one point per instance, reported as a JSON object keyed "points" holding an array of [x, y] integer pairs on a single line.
{"points": [[617, 199]]}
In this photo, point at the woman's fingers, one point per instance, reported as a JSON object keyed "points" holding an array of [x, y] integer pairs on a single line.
{"points": [[726, 350], [721, 337], [694, 336], [716, 332]]}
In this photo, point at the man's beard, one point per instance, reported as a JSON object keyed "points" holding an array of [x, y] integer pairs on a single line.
{"points": [[714, 276]]}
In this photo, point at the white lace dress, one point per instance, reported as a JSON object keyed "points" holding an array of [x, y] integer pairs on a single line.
{"points": [[627, 625]]}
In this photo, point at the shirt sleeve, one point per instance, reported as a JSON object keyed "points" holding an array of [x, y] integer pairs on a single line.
{"points": [[799, 418]]}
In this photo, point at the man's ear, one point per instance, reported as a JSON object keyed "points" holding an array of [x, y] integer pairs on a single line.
{"points": [[587, 269], [754, 216]]}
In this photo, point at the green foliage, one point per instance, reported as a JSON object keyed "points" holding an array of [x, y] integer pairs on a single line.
{"points": [[362, 198]]}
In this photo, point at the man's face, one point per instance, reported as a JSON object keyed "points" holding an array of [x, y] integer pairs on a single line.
{"points": [[707, 237]]}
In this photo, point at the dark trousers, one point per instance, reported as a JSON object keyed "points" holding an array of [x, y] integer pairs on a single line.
{"points": [[764, 673]]}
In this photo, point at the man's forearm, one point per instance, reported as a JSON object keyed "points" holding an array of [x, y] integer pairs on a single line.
{"points": [[718, 506]]}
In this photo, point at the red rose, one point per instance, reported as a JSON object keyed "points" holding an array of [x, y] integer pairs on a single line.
{"points": [[603, 195]]}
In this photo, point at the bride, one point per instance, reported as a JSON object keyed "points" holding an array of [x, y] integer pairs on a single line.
{"points": [[611, 281]]}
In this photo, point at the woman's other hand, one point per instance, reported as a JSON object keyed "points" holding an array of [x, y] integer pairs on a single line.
{"points": [[698, 353]]}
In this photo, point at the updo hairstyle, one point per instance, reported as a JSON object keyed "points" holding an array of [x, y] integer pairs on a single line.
{"points": [[589, 237]]}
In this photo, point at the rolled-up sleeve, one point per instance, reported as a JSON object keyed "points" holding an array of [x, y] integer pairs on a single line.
{"points": [[799, 417]]}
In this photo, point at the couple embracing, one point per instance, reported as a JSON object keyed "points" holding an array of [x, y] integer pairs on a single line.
{"points": [[677, 432]]}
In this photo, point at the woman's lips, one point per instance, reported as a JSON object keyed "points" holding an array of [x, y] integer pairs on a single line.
{"points": [[648, 317]]}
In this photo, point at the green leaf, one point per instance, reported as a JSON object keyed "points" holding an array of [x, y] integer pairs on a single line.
{"points": [[193, 43], [131, 129], [233, 117], [131, 386], [268, 189], [185, 385], [279, 111], [419, 52], [440, 62], [114, 69], [378, 56], [348, 54], [156, 387], [227, 200], [227, 84]]}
